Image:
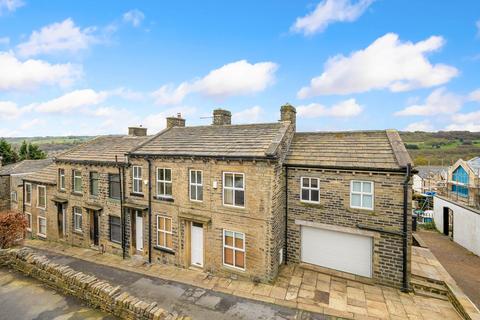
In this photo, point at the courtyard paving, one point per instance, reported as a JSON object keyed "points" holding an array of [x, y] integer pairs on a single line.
{"points": [[295, 288]]}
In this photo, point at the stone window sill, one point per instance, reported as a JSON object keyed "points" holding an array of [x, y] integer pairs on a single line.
{"points": [[170, 251], [78, 194], [136, 194], [162, 198]]}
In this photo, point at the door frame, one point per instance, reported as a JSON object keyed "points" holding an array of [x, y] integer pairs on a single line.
{"points": [[137, 213], [191, 225], [61, 221], [446, 221], [94, 221]]}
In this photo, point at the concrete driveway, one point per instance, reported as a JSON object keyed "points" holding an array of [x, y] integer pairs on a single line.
{"points": [[461, 264], [27, 299]]}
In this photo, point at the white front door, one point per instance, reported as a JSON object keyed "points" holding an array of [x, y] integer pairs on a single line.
{"points": [[342, 251], [197, 244], [139, 230]]}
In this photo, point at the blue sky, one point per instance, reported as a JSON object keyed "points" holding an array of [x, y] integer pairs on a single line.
{"points": [[96, 67]]}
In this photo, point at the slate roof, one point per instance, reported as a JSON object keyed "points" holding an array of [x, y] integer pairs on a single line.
{"points": [[102, 149], [425, 171], [233, 141], [47, 175], [24, 167], [353, 149]]}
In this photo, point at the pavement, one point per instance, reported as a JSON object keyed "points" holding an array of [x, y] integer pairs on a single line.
{"points": [[198, 303], [297, 293], [25, 298], [461, 264]]}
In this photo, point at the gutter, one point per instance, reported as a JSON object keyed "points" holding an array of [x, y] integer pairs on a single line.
{"points": [[405, 287], [309, 166], [149, 210]]}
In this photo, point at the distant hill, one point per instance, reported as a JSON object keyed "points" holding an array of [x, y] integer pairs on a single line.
{"points": [[425, 148], [441, 148], [51, 145]]}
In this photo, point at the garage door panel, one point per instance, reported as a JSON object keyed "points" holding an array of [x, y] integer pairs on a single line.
{"points": [[341, 251]]}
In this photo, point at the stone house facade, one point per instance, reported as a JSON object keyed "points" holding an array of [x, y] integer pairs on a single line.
{"points": [[11, 177], [229, 199], [203, 220], [350, 197], [37, 190]]}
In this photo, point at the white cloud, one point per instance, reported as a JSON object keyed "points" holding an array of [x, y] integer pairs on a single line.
{"points": [[344, 109], [465, 121], [250, 115], [420, 126], [4, 41], [387, 63], [72, 100], [236, 78], [10, 5], [57, 37], [438, 102], [34, 123], [24, 75], [156, 122], [474, 95], [135, 17], [9, 110], [328, 12]]}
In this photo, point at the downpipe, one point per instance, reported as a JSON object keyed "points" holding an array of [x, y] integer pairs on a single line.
{"points": [[405, 286]]}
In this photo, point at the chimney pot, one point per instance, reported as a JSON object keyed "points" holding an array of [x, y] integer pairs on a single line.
{"points": [[222, 117], [137, 131]]}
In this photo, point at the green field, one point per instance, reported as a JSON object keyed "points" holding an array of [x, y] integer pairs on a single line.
{"points": [[441, 148], [51, 145]]}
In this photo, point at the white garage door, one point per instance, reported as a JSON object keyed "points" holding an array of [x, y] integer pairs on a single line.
{"points": [[341, 251]]}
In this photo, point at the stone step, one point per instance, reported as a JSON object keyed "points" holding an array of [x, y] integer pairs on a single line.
{"points": [[429, 294], [429, 289]]}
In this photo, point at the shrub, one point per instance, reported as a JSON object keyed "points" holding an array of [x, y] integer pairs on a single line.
{"points": [[12, 228]]}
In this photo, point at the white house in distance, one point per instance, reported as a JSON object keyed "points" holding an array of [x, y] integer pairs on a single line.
{"points": [[430, 178], [457, 208]]}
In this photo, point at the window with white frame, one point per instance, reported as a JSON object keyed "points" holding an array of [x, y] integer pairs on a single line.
{"points": [[42, 226], [41, 197], [77, 181], [196, 185], [77, 219], [13, 196], [361, 194], [164, 232], [28, 216], [137, 179], [234, 249], [310, 190], [233, 189], [164, 182], [61, 179], [28, 193]]}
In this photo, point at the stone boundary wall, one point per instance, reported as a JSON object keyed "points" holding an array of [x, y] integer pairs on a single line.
{"points": [[97, 293]]}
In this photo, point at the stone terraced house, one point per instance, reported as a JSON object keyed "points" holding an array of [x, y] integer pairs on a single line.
{"points": [[11, 181], [240, 200]]}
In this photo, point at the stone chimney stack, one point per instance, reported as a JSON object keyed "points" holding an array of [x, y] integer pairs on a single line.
{"points": [[137, 131], [177, 121], [221, 117], [288, 113]]}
